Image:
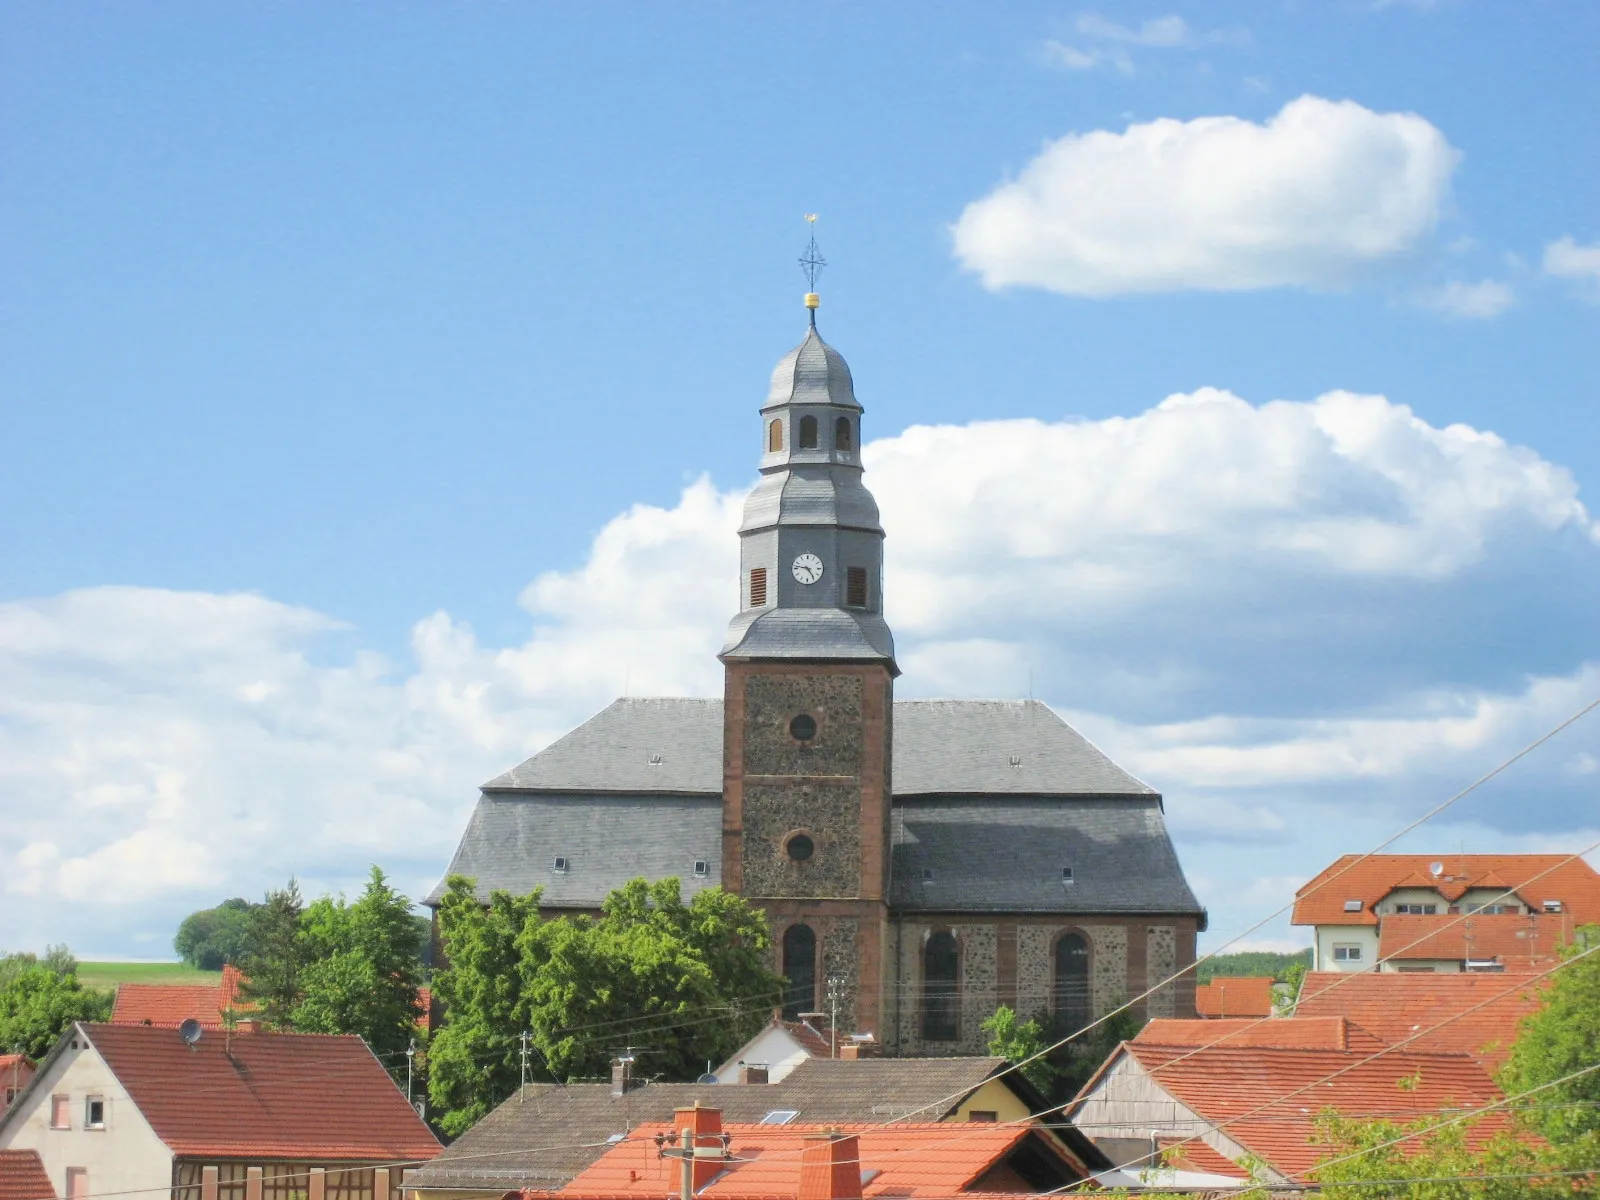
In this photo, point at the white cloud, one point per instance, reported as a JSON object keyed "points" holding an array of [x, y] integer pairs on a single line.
{"points": [[1101, 41], [1567, 259], [1470, 301], [1291, 617], [1318, 194]]}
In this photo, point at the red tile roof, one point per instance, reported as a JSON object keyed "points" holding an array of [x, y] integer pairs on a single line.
{"points": [[170, 1005], [1394, 1005], [910, 1160], [22, 1176], [258, 1095], [1512, 939], [1243, 996], [1221, 1085], [1283, 1033], [1321, 901], [1199, 1156], [15, 1071]]}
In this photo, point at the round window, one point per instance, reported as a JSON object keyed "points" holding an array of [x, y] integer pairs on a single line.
{"points": [[800, 847], [803, 728]]}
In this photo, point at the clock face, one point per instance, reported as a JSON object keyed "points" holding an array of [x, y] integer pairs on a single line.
{"points": [[807, 568]]}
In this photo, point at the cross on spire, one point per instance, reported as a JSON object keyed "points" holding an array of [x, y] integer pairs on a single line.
{"points": [[811, 263]]}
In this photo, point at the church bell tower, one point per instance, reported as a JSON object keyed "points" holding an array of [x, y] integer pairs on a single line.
{"points": [[809, 697]]}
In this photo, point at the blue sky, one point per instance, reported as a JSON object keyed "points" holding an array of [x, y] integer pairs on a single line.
{"points": [[332, 329]]}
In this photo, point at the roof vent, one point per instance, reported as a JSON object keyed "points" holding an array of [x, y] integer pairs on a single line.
{"points": [[701, 868], [655, 760], [1352, 906], [1066, 875], [1016, 761], [558, 864], [927, 874]]}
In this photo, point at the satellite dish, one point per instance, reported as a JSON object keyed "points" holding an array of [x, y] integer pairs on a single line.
{"points": [[708, 1077], [1436, 869], [190, 1031]]}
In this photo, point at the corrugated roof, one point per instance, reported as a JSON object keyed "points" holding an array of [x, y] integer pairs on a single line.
{"points": [[280, 1095], [553, 1133], [1394, 1005], [764, 1160], [22, 1176], [1322, 900], [1234, 996], [1220, 1085], [1511, 939]]}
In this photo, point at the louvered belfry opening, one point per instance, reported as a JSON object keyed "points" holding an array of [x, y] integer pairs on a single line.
{"points": [[808, 433], [855, 587], [775, 437], [758, 587]]}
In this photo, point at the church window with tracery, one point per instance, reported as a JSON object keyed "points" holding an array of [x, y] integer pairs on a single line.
{"points": [[1071, 983], [941, 1008], [775, 437], [799, 970], [808, 433]]}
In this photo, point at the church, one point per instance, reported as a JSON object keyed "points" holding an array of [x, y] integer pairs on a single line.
{"points": [[921, 862]]}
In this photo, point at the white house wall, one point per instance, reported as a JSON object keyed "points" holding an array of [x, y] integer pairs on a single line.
{"points": [[1365, 936], [772, 1048], [124, 1156]]}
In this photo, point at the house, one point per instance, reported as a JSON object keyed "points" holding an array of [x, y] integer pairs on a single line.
{"points": [[1261, 1101], [169, 1005], [22, 1177], [1520, 907], [780, 1047], [1239, 996], [763, 1159], [1468, 1013], [128, 1108], [933, 859], [543, 1138], [15, 1071]]}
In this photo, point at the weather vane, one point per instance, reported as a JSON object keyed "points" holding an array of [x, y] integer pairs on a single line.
{"points": [[812, 262]]}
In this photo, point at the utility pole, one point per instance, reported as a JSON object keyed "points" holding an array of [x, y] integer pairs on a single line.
{"points": [[411, 1053], [524, 1084], [683, 1150], [835, 986]]}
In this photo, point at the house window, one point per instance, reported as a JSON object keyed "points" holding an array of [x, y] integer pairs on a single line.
{"points": [[808, 433], [94, 1112], [842, 438], [1352, 906], [855, 587], [799, 970], [1495, 910], [1346, 952], [984, 1116], [1072, 982], [1552, 906], [77, 1183], [1416, 910], [941, 1011], [774, 437], [60, 1112], [758, 587]]}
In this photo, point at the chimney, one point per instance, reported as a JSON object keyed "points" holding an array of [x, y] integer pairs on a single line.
{"points": [[753, 1073], [704, 1126], [860, 1045], [622, 1080], [830, 1167]]}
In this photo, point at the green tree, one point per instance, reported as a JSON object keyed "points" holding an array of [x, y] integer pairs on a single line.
{"points": [[213, 936], [475, 1060], [1561, 1037], [1016, 1041], [37, 1003], [272, 967], [359, 969]]}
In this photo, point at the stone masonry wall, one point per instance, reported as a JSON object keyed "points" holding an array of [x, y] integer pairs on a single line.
{"points": [[1161, 960], [841, 968], [772, 701], [826, 813]]}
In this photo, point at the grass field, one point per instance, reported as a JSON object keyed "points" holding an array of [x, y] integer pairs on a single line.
{"points": [[109, 974]]}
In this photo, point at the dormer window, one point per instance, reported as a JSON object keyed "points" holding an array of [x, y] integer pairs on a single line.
{"points": [[775, 437], [808, 433], [558, 864], [843, 439], [1552, 906], [702, 868], [1066, 875]]}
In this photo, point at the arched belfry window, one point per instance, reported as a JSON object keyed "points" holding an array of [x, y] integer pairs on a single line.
{"points": [[799, 970], [808, 433], [842, 439], [1071, 983], [774, 436], [941, 1008]]}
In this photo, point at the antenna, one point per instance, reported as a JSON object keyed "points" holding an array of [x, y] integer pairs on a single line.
{"points": [[811, 264], [190, 1032], [1436, 869]]}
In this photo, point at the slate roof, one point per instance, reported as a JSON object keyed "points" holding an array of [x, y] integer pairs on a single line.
{"points": [[1236, 996], [927, 1160], [1394, 1005], [553, 1133], [637, 790], [1572, 881], [22, 1176], [259, 1095]]}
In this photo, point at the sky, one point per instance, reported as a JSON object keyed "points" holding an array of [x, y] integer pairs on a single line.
{"points": [[378, 391]]}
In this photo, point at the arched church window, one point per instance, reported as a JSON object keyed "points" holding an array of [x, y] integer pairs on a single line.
{"points": [[841, 434], [808, 433], [799, 970], [941, 997], [774, 436], [1071, 983]]}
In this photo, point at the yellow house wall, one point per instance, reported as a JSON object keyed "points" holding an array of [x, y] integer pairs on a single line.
{"points": [[994, 1096]]}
